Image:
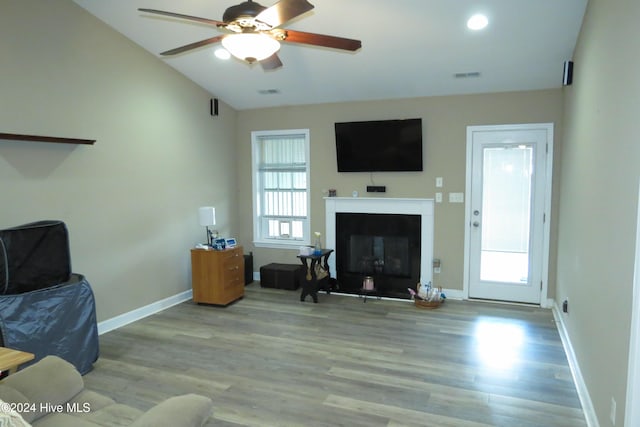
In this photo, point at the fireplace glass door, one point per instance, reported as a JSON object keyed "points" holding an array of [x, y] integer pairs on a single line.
{"points": [[385, 247]]}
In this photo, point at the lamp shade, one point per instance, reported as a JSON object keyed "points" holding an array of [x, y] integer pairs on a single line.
{"points": [[207, 215], [250, 47]]}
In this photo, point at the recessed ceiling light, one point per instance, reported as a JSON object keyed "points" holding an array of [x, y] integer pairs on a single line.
{"points": [[222, 53], [477, 22]]}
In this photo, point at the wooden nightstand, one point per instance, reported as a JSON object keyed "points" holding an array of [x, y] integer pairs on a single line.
{"points": [[217, 277], [11, 359]]}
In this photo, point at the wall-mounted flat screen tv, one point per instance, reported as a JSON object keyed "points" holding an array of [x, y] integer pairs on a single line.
{"points": [[379, 146]]}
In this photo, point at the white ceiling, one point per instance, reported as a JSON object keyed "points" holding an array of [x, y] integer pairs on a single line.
{"points": [[410, 48]]}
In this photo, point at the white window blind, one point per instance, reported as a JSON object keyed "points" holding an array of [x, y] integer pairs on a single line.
{"points": [[281, 187]]}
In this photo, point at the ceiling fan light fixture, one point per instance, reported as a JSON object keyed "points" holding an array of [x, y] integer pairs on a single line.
{"points": [[222, 53], [250, 47]]}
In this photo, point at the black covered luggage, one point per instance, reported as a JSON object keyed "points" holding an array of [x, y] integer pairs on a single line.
{"points": [[34, 256]]}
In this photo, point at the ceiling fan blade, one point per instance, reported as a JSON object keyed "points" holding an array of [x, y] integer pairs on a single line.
{"points": [[271, 63], [189, 17], [192, 46], [283, 11], [322, 40]]}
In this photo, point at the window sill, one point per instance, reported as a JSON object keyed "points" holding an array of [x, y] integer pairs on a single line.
{"points": [[280, 245]]}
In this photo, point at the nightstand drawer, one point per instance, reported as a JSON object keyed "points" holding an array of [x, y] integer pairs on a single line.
{"points": [[233, 271]]}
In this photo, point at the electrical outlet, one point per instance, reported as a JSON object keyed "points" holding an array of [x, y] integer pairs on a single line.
{"points": [[438, 197], [612, 413], [436, 265]]}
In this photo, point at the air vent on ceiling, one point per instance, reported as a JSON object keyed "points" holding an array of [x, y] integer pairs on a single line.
{"points": [[269, 91], [466, 75]]}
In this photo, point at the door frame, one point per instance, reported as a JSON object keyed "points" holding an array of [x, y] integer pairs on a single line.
{"points": [[632, 412], [545, 301]]}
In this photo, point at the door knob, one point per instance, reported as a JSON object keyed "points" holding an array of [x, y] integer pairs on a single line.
{"points": [[476, 224]]}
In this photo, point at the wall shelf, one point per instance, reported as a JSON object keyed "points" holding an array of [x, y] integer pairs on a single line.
{"points": [[54, 139]]}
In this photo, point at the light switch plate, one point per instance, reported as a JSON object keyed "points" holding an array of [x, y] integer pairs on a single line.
{"points": [[438, 197], [456, 197], [439, 181]]}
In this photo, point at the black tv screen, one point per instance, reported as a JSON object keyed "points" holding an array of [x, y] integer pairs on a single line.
{"points": [[379, 146]]}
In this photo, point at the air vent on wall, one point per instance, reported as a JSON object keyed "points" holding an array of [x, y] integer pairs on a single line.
{"points": [[467, 75]]}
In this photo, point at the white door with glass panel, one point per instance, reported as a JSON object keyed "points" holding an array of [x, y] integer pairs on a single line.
{"points": [[508, 188]]}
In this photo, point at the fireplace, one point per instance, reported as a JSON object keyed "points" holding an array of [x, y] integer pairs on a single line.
{"points": [[385, 247], [390, 240]]}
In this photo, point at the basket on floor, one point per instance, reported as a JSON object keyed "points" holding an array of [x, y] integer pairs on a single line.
{"points": [[434, 303], [420, 303]]}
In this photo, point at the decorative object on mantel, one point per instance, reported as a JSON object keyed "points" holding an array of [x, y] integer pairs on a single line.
{"points": [[427, 296], [38, 138]]}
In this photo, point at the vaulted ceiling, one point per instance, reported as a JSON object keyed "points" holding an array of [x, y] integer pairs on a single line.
{"points": [[410, 48]]}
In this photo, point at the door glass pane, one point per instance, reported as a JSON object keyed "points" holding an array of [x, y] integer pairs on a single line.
{"points": [[506, 213]]}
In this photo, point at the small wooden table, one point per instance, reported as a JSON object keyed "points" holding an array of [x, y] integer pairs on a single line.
{"points": [[10, 359], [310, 281]]}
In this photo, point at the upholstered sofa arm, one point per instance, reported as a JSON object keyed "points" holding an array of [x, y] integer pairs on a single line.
{"points": [[50, 382], [189, 410]]}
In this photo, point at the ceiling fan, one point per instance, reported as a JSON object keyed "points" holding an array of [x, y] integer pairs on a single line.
{"points": [[255, 32]]}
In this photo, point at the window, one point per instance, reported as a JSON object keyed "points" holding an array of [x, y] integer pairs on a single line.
{"points": [[280, 188]]}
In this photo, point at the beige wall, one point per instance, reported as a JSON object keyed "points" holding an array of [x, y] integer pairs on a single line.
{"points": [[131, 200], [598, 198], [444, 121]]}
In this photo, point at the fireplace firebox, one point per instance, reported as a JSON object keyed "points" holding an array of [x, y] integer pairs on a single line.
{"points": [[385, 247]]}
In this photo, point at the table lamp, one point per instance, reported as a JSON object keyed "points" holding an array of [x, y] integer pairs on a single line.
{"points": [[207, 216]]}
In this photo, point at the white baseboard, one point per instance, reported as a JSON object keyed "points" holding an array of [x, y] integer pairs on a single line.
{"points": [[548, 303], [456, 294], [142, 312], [578, 379]]}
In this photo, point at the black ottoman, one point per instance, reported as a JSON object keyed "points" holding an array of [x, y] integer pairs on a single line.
{"points": [[280, 276]]}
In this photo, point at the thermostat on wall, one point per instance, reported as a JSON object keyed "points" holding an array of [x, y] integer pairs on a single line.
{"points": [[230, 242]]}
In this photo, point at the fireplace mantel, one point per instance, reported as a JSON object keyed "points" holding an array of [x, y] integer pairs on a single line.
{"points": [[422, 207]]}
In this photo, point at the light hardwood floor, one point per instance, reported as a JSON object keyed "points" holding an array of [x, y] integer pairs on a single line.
{"points": [[271, 360]]}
